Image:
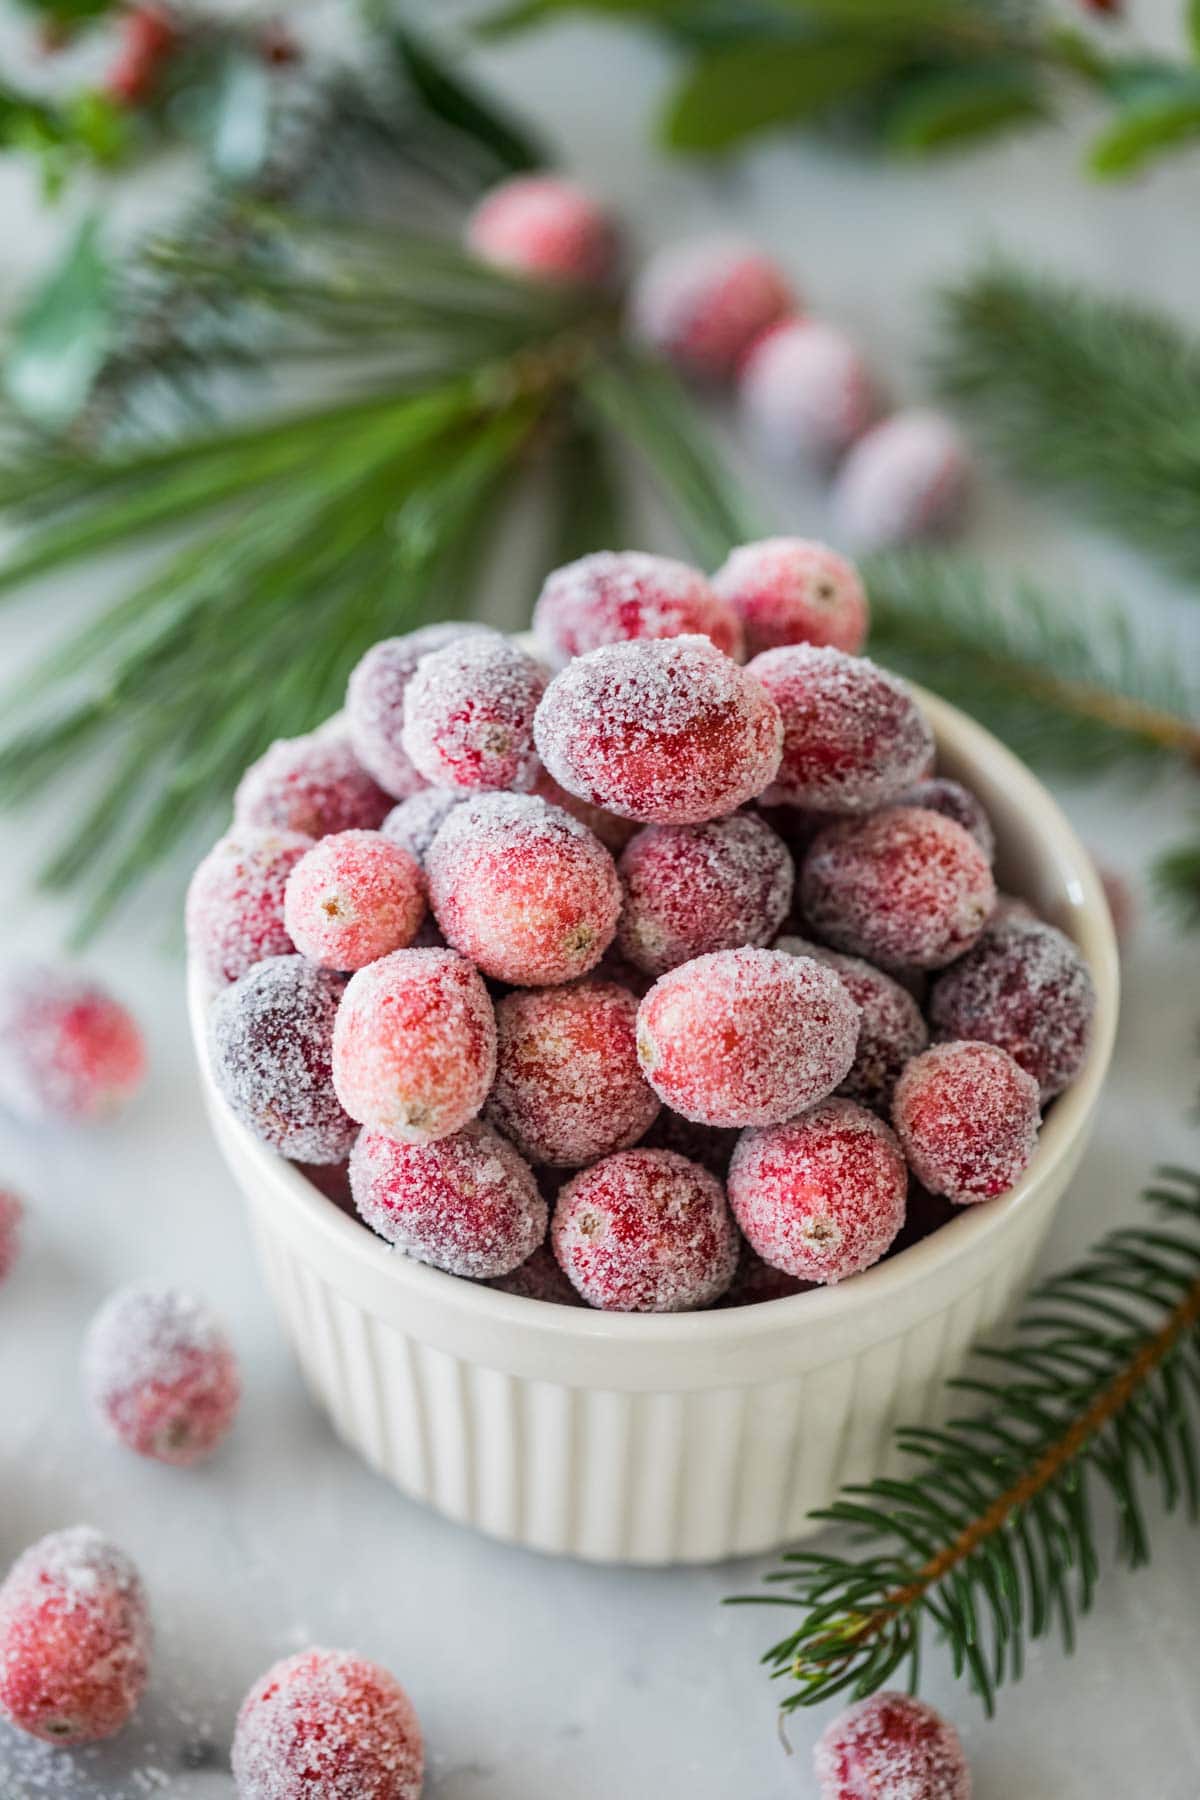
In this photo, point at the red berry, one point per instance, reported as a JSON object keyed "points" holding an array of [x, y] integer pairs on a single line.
{"points": [[746, 1037], [12, 1213], [568, 1086], [414, 823], [354, 897], [906, 478], [806, 392], [74, 1638], [545, 227], [903, 887], [327, 1725], [539, 1278], [375, 702], [968, 1117], [235, 900], [703, 303], [891, 1747], [161, 1374], [665, 731], [794, 591], [822, 1196], [892, 1030], [414, 1049], [523, 889], [312, 784], [938, 794], [614, 833], [149, 38], [691, 889], [645, 1231], [615, 596], [468, 714], [69, 1051]]}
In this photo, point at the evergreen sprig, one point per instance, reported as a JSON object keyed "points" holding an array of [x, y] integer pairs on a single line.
{"points": [[990, 1541]]}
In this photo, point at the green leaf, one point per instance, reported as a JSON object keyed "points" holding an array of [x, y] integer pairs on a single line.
{"points": [[1165, 115], [241, 123], [941, 111], [449, 98], [730, 94], [62, 335], [1192, 19]]}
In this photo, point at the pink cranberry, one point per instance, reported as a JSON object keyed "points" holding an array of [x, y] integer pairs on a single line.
{"points": [[74, 1638], [905, 478], [415, 822], [703, 303], [327, 1725], [853, 736], [69, 1051], [894, 1748], [968, 1117], [161, 1374], [822, 1196], [414, 1049], [691, 889], [539, 1278], [545, 227], [746, 1037], [794, 591], [375, 702], [645, 1231], [665, 731], [468, 714], [892, 1030], [903, 887], [12, 1213], [939, 794], [354, 897], [568, 1086], [756, 1281], [806, 392], [613, 833], [312, 784], [616, 595], [235, 900], [1025, 987], [523, 889]]}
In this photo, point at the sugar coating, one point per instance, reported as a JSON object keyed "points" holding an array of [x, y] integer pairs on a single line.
{"points": [[12, 1214], [691, 889], [906, 478], [821, 1196], [703, 303], [665, 731], [903, 887], [545, 227], [1025, 987], [327, 1725], [539, 1278], [74, 1638], [891, 1747], [746, 1037], [414, 1047], [523, 889], [234, 911], [892, 1029], [69, 1050], [270, 1040], [614, 833], [790, 590], [645, 1231], [853, 735], [968, 1117], [468, 1204], [937, 793], [615, 595], [568, 1087], [468, 714], [414, 823], [354, 897], [313, 784], [161, 1375], [806, 392], [375, 702], [756, 1281]]}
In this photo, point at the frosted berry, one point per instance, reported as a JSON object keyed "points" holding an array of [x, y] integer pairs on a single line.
{"points": [[568, 1086], [545, 227], [414, 823], [235, 900], [938, 794], [523, 889], [665, 731], [271, 1049], [539, 1278], [806, 392], [756, 1281], [468, 714], [1025, 987], [891, 1032], [822, 1196], [691, 889], [702, 304], [616, 595], [12, 1213], [327, 1725], [645, 1231], [904, 887], [968, 1117], [74, 1638], [906, 478], [354, 897], [468, 1204], [69, 1051], [746, 1037], [614, 833], [161, 1374], [853, 735], [891, 1747], [313, 784], [375, 702], [788, 590], [414, 1049]]}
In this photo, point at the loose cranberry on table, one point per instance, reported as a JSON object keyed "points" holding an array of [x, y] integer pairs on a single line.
{"points": [[313, 784], [691, 889], [891, 1747], [354, 897], [468, 714], [375, 702], [891, 1029], [788, 590], [327, 1725], [547, 228], [616, 595], [806, 392], [907, 477], [703, 303], [968, 1118], [70, 1052], [161, 1375], [235, 899], [12, 1214]]}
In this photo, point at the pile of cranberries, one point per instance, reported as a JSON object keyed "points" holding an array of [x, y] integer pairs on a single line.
{"points": [[649, 966]]}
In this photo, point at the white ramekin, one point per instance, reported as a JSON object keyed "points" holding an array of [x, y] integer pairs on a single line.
{"points": [[692, 1436]]}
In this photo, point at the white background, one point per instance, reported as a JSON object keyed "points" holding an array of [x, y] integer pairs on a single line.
{"points": [[537, 1678]]}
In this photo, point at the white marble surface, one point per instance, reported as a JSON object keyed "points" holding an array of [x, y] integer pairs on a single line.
{"points": [[533, 1677]]}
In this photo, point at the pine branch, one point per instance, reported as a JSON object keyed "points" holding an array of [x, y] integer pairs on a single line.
{"points": [[990, 1539]]}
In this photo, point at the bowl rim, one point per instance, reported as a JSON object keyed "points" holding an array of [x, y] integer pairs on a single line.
{"points": [[817, 1309]]}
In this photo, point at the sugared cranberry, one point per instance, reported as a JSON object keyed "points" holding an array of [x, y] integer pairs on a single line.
{"points": [[74, 1638], [905, 478], [69, 1051], [539, 1278], [822, 1196], [891, 1030], [613, 596], [614, 833], [150, 36], [665, 731], [939, 794], [645, 1231], [414, 1049], [905, 886], [568, 1086], [161, 1374], [375, 702], [702, 304], [327, 1725], [545, 227], [468, 714], [968, 1117], [746, 1037], [354, 897], [312, 784], [891, 1747], [523, 889], [691, 889], [235, 900], [12, 1213], [788, 590], [806, 392], [414, 823]]}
